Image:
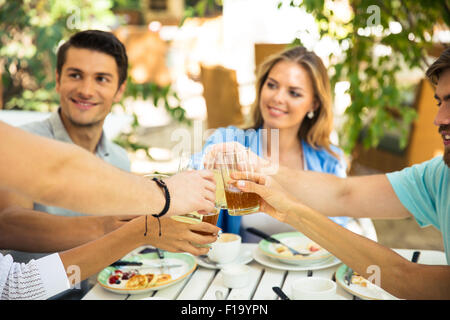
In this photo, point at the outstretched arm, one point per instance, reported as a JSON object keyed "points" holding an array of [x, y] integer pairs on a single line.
{"points": [[359, 197], [45, 277], [176, 237], [33, 231], [64, 175], [398, 276]]}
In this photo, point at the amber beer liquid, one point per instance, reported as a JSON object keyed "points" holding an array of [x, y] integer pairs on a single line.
{"points": [[241, 203], [209, 218], [195, 217]]}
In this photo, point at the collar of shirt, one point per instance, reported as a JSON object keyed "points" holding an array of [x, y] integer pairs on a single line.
{"points": [[61, 134]]}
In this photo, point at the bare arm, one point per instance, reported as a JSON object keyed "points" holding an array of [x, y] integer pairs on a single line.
{"points": [[98, 254], [177, 237], [59, 233], [64, 175], [34, 231], [398, 276], [10, 199], [359, 197]]}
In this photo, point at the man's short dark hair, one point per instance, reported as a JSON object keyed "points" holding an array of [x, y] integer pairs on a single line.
{"points": [[96, 40], [441, 64]]}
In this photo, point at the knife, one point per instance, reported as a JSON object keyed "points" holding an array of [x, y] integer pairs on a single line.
{"points": [[163, 262], [265, 236], [348, 276], [123, 263], [415, 256], [280, 293]]}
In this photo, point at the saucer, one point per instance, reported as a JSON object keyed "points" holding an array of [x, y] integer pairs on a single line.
{"points": [[245, 257]]}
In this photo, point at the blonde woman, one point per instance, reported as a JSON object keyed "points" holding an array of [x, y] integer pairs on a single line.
{"points": [[294, 97]]}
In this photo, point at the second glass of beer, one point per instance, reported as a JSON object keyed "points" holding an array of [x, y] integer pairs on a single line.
{"points": [[186, 163], [239, 203]]}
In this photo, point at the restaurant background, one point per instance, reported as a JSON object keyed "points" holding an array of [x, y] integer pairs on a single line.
{"points": [[193, 62]]}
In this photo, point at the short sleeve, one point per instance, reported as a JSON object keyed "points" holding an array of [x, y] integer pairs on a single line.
{"points": [[53, 274], [415, 189], [37, 279]]}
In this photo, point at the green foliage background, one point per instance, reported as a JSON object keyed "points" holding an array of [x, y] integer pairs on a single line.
{"points": [[31, 30], [30, 33], [377, 96]]}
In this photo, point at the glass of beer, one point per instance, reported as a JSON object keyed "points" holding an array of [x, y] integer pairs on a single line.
{"points": [[195, 217], [186, 163], [211, 164], [239, 203]]}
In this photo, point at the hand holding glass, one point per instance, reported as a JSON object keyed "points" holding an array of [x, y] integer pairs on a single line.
{"points": [[185, 164], [238, 202]]}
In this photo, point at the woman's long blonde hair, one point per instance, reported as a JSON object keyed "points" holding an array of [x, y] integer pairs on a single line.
{"points": [[316, 131]]}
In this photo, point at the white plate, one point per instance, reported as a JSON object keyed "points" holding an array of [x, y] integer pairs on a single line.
{"points": [[185, 261], [245, 256], [295, 240], [268, 262], [335, 297], [369, 292]]}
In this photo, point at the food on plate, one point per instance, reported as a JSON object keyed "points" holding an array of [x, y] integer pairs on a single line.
{"points": [[134, 280], [283, 250], [311, 247], [314, 247], [137, 281], [118, 276], [152, 278], [163, 279], [358, 280]]}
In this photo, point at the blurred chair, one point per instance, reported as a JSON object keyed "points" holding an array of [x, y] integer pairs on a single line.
{"points": [[264, 50], [1, 92], [220, 90], [425, 142], [146, 55]]}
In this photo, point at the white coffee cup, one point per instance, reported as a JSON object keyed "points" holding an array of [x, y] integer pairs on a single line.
{"points": [[313, 288], [226, 248], [236, 275]]}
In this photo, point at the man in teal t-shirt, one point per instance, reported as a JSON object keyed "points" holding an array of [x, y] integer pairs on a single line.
{"points": [[424, 190], [421, 191]]}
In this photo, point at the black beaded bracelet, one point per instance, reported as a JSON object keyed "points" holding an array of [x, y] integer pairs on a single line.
{"points": [[163, 185]]}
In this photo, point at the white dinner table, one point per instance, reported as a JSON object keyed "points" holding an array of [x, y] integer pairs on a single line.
{"points": [[204, 283]]}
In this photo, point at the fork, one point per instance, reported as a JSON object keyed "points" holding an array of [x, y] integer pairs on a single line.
{"points": [[269, 238], [163, 263]]}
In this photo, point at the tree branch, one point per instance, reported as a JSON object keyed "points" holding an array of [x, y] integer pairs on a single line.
{"points": [[447, 7], [408, 15]]}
